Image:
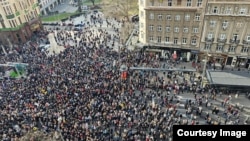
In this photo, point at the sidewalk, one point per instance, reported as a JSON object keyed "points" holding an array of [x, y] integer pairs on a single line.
{"points": [[240, 101]]}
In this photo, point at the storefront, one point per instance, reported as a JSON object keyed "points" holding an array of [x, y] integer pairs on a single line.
{"points": [[214, 58], [241, 62], [167, 52], [248, 63]]}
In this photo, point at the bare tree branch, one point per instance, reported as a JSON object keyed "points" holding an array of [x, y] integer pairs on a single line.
{"points": [[121, 8]]}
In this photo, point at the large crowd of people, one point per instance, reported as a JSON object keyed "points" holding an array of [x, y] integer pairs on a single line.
{"points": [[80, 92]]}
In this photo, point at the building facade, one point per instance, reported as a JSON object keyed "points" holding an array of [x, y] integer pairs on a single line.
{"points": [[172, 26], [46, 6], [18, 20], [218, 27], [226, 32]]}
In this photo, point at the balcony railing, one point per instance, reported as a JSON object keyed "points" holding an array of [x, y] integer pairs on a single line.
{"points": [[234, 41], [246, 42], [10, 16], [221, 40], [209, 39]]}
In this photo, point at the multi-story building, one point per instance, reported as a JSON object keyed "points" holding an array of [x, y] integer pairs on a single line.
{"points": [[18, 20], [46, 6], [172, 25], [226, 32]]}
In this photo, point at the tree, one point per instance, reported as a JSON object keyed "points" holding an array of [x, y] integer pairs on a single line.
{"points": [[121, 8], [93, 2]]}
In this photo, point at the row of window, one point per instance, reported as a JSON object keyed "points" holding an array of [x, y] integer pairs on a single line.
{"points": [[46, 2], [175, 41], [176, 29], [228, 10], [23, 5], [222, 36], [231, 48], [224, 24], [13, 23], [189, 3], [220, 48], [176, 17]]}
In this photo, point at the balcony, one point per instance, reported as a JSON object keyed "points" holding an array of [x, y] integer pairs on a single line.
{"points": [[246, 42], [209, 39], [234, 41], [219, 40], [10, 16]]}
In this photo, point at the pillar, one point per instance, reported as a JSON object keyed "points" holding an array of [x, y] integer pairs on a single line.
{"points": [[231, 28], [243, 35], [218, 25], [45, 12], [204, 31]]}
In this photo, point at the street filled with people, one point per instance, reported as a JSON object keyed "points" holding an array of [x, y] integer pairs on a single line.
{"points": [[83, 94]]}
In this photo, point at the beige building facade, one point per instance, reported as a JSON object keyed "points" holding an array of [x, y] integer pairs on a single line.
{"points": [[226, 32], [218, 27], [18, 20], [172, 26]]}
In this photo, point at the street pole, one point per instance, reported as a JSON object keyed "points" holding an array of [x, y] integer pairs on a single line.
{"points": [[203, 72], [119, 51]]}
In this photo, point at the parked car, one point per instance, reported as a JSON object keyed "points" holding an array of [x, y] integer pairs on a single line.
{"points": [[79, 25], [76, 29], [44, 47], [53, 24]]}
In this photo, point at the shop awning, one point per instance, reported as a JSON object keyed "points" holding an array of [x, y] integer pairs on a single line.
{"points": [[195, 51], [243, 57], [153, 50]]}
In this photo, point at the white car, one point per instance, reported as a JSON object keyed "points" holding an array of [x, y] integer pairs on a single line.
{"points": [[44, 47]]}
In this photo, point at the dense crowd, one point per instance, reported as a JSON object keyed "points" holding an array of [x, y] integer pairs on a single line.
{"points": [[80, 92]]}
